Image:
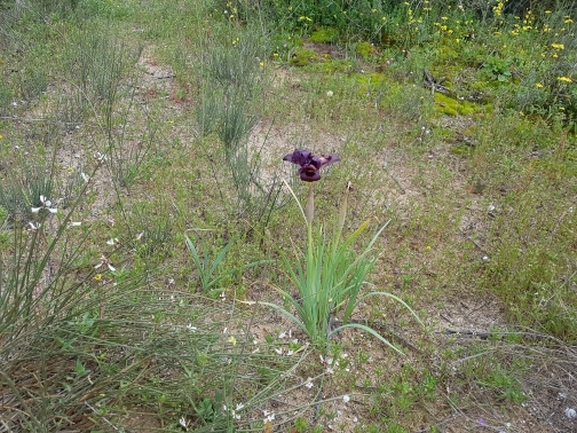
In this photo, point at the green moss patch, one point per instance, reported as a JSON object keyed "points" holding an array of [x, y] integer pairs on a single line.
{"points": [[304, 57], [366, 49], [331, 66], [325, 35], [450, 106]]}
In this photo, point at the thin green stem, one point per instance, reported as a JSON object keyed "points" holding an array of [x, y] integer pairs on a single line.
{"points": [[310, 204]]}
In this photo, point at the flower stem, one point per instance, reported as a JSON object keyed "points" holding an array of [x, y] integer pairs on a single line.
{"points": [[310, 205]]}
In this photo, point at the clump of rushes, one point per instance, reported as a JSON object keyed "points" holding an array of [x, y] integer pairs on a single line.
{"points": [[330, 273]]}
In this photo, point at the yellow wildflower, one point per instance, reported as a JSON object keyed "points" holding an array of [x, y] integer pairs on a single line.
{"points": [[232, 340], [565, 79], [98, 277], [558, 46], [539, 85]]}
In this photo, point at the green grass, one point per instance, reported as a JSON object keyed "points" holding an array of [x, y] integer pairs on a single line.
{"points": [[126, 126]]}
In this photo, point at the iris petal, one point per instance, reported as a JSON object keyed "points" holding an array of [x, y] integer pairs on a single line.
{"points": [[310, 164]]}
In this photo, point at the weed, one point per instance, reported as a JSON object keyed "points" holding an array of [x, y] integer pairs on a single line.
{"points": [[234, 80], [97, 62], [18, 197], [207, 266]]}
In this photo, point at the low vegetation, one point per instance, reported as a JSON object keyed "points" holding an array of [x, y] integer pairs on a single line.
{"points": [[163, 269]]}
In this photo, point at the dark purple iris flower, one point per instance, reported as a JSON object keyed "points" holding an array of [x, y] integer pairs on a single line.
{"points": [[310, 164]]}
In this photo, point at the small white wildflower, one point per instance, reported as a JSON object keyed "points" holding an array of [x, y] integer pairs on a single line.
{"points": [[74, 224], [330, 371], [191, 328], [184, 424], [104, 262], [330, 93], [33, 226], [570, 413], [290, 352], [346, 398], [491, 208], [309, 383], [486, 258], [46, 204], [234, 411], [269, 416], [113, 241], [282, 335], [278, 350], [85, 177], [100, 157]]}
